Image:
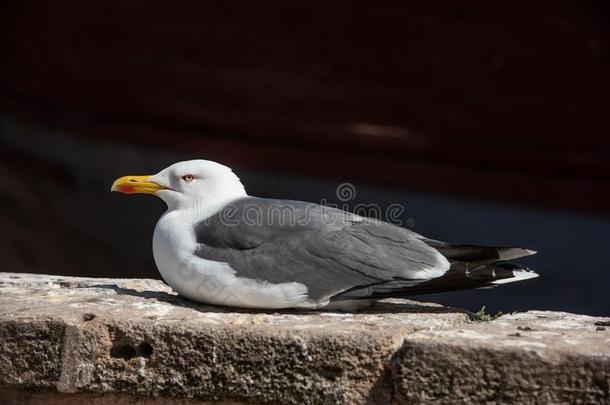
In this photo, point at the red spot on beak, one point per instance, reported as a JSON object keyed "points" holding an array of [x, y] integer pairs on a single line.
{"points": [[126, 188]]}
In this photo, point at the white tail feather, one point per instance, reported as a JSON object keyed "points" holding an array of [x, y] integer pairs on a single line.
{"points": [[518, 275]]}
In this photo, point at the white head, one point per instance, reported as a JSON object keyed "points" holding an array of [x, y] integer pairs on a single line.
{"points": [[185, 185]]}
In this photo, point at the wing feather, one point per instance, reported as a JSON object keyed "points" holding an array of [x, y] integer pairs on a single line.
{"points": [[328, 250]]}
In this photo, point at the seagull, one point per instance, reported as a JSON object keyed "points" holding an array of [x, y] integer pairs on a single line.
{"points": [[217, 245]]}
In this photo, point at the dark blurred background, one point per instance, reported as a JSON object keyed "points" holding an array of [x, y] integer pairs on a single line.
{"points": [[487, 121]]}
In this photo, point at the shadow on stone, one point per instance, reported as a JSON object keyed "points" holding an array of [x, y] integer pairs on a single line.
{"points": [[383, 307]]}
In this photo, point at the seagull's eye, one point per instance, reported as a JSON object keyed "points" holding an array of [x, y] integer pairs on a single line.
{"points": [[188, 178]]}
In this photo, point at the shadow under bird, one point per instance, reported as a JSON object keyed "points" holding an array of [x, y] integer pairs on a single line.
{"points": [[217, 245]]}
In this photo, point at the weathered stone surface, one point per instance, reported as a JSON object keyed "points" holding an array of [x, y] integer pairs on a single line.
{"points": [[126, 341], [534, 357]]}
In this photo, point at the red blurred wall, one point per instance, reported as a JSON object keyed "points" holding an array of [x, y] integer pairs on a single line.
{"points": [[498, 100]]}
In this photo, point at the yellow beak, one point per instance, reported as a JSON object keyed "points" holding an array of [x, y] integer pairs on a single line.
{"points": [[135, 184]]}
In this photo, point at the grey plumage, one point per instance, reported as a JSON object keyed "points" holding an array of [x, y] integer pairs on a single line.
{"points": [[328, 250], [339, 255]]}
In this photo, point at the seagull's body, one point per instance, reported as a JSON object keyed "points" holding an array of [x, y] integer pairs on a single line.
{"points": [[217, 245]]}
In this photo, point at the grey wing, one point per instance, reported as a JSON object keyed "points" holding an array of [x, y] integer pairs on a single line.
{"points": [[327, 255]]}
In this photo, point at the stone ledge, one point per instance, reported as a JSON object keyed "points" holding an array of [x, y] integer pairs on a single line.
{"points": [[133, 340]]}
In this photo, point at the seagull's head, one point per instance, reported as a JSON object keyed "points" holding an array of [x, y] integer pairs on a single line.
{"points": [[188, 184]]}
